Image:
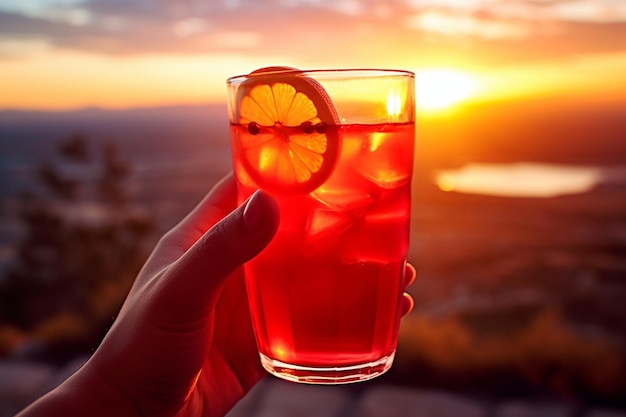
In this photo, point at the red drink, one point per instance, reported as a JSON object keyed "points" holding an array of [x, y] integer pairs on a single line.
{"points": [[325, 293], [335, 149]]}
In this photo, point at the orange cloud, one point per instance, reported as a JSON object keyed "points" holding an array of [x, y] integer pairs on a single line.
{"points": [[126, 45]]}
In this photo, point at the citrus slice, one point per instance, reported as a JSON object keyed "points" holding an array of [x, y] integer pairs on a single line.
{"points": [[288, 140]]}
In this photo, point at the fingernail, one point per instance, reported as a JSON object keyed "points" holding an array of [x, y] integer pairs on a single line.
{"points": [[252, 214]]}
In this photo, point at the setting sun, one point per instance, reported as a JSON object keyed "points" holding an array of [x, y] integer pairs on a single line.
{"points": [[438, 89]]}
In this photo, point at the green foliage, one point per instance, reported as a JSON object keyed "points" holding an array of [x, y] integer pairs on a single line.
{"points": [[83, 243]]}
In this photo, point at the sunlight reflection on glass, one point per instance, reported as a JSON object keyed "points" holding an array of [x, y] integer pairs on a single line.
{"points": [[522, 179], [394, 104]]}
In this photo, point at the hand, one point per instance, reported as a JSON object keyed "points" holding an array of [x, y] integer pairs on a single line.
{"points": [[182, 344]]}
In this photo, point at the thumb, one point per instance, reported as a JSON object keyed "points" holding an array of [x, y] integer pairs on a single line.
{"points": [[237, 238]]}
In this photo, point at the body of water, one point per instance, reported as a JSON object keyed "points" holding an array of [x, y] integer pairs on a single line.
{"points": [[528, 179]]}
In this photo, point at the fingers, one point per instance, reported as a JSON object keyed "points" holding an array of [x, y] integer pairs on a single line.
{"points": [[409, 274], [407, 303], [221, 199], [199, 273], [214, 206]]}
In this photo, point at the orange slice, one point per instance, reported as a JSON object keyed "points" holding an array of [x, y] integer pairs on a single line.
{"points": [[289, 141]]}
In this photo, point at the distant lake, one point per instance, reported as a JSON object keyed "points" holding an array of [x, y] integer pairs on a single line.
{"points": [[527, 179]]}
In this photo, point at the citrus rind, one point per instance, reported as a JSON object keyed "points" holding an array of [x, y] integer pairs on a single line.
{"points": [[289, 141]]}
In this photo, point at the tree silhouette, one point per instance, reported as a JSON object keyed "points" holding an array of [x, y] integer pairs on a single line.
{"points": [[83, 243]]}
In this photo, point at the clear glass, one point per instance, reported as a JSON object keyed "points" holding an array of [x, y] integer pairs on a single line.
{"points": [[325, 294]]}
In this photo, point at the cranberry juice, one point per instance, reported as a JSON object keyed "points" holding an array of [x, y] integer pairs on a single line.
{"points": [[324, 295]]}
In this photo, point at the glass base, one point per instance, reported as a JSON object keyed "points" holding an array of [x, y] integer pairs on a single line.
{"points": [[328, 375]]}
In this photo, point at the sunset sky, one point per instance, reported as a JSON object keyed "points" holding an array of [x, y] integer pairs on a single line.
{"points": [[66, 54]]}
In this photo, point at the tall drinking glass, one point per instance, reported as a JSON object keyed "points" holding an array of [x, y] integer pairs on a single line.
{"points": [[335, 149]]}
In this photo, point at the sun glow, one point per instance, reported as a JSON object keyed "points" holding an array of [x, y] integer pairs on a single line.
{"points": [[439, 89]]}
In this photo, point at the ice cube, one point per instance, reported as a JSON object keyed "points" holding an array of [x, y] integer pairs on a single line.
{"points": [[346, 190], [326, 222], [343, 198], [390, 206], [386, 178], [384, 162], [375, 239]]}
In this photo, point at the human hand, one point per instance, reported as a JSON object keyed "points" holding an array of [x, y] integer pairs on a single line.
{"points": [[182, 344]]}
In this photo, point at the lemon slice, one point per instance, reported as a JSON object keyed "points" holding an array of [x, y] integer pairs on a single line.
{"points": [[289, 140]]}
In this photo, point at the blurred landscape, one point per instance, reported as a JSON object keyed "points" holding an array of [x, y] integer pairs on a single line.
{"points": [[113, 126], [515, 296]]}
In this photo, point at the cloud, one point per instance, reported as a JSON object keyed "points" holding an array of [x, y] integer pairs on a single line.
{"points": [[162, 26], [236, 40], [305, 28], [598, 11], [458, 24], [593, 11], [190, 27], [20, 48]]}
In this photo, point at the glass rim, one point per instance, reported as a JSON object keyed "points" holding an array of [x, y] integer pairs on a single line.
{"points": [[361, 72]]}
